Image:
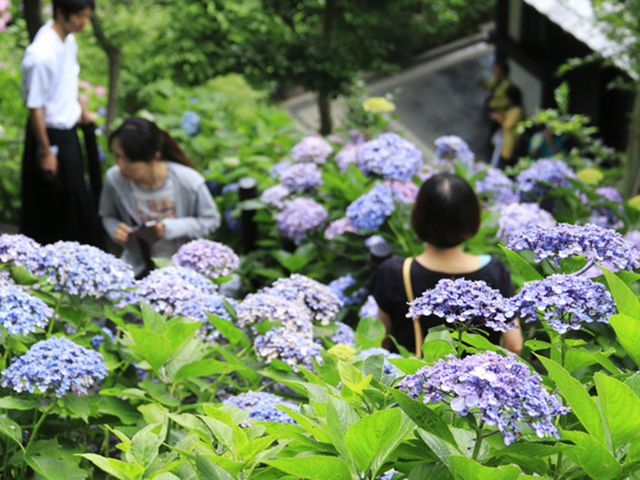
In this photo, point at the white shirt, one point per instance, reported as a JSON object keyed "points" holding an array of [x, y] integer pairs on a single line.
{"points": [[50, 77]]}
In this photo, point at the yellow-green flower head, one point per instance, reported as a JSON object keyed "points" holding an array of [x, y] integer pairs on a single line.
{"points": [[343, 352], [635, 202], [378, 105], [590, 176]]}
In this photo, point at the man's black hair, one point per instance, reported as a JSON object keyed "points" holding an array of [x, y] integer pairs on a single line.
{"points": [[69, 7]]}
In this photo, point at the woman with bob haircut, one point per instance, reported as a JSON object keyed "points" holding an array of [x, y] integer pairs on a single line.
{"points": [[446, 213], [153, 200]]}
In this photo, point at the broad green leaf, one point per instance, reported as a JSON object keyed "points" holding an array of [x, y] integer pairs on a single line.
{"points": [[154, 322], [538, 450], [295, 263], [254, 447], [229, 330], [155, 348], [620, 408], [340, 416], [352, 377], [222, 432], [369, 333], [373, 366], [109, 405], [535, 345], [131, 471], [207, 469], [144, 448], [309, 425], [11, 429], [578, 398], [369, 435], [50, 468], [577, 358], [202, 368], [193, 424], [464, 468], [436, 349], [103, 463], [179, 332], [165, 476], [628, 334], [10, 403], [627, 302], [443, 450], [408, 365], [231, 467], [523, 267], [77, 406], [591, 456], [314, 467], [424, 417]]}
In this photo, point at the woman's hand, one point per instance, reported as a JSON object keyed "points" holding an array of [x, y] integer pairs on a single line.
{"points": [[121, 235], [159, 229]]}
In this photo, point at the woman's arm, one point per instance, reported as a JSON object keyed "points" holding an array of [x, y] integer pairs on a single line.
{"points": [[108, 213], [206, 219], [512, 339], [385, 319]]}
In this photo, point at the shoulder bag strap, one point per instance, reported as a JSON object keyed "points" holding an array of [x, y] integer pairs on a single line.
{"points": [[417, 328]]}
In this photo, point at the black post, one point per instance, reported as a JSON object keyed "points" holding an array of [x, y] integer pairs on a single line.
{"points": [[247, 190], [378, 253]]}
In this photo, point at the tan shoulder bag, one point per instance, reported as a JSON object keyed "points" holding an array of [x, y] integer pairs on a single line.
{"points": [[417, 328]]}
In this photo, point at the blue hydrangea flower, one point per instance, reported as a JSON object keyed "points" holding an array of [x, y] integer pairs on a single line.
{"points": [[292, 348], [543, 176], [311, 149], [374, 240], [498, 186], [565, 302], [200, 306], [211, 259], [16, 247], [339, 285], [371, 209], [98, 340], [231, 187], [299, 217], [190, 123], [344, 335], [320, 299], [452, 147], [278, 168], [81, 270], [465, 302], [605, 216], [56, 365], [339, 227], [234, 224], [20, 313], [633, 237], [275, 197], [347, 155], [255, 308], [504, 391], [301, 177], [388, 475], [517, 217], [391, 156], [262, 406], [370, 308], [5, 279], [596, 244], [388, 368]]}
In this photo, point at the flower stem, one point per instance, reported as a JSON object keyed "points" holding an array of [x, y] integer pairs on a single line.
{"points": [[459, 345], [479, 438], [55, 314]]}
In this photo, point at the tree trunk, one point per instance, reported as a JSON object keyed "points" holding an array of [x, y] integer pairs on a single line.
{"points": [[33, 16], [632, 169], [324, 97], [113, 54], [324, 105]]}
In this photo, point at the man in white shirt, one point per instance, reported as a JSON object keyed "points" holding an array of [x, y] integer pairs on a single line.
{"points": [[56, 204]]}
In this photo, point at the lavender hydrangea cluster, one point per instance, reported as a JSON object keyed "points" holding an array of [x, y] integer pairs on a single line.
{"points": [[300, 217], [605, 216], [301, 177], [391, 156], [517, 217], [292, 348], [542, 176], [275, 197], [81, 270], [565, 302], [5, 279], [344, 335], [452, 147], [15, 248], [388, 367], [504, 391], [211, 259], [633, 237], [406, 192], [320, 299], [190, 123], [198, 307], [371, 209], [293, 315], [311, 149], [369, 308], [374, 240], [339, 227], [348, 155], [98, 340], [498, 186], [339, 285], [262, 406], [56, 365], [465, 303], [20, 313], [278, 168], [596, 244]]}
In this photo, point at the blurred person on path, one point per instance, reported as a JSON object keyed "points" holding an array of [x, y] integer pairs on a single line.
{"points": [[497, 100], [56, 204], [507, 136]]}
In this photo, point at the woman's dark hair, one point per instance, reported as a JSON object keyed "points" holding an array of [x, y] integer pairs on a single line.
{"points": [[69, 7], [141, 140], [514, 94], [446, 212]]}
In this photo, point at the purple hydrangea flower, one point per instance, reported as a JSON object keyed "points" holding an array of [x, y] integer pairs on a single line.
{"points": [[344, 335], [434, 167], [311, 149], [275, 196], [81, 270], [301, 177], [517, 217], [391, 156], [56, 365], [596, 244], [211, 259], [16, 247], [190, 123], [200, 306], [605, 216], [98, 340], [388, 475], [262, 406], [278, 168], [5, 279], [339, 285], [466, 302], [231, 187], [452, 147], [543, 176], [292, 348], [633, 237], [320, 299], [256, 307], [498, 185], [299, 217], [505, 391], [20, 313], [405, 192], [371, 209], [565, 302], [370, 308], [388, 367], [348, 155], [339, 227]]}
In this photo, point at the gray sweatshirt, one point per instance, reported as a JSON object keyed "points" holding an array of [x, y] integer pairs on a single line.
{"points": [[196, 212]]}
